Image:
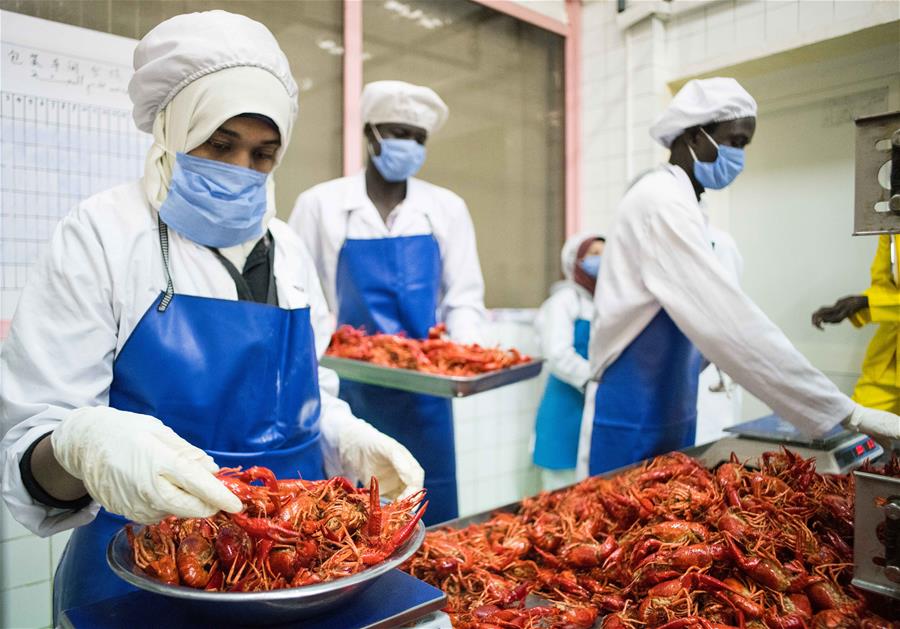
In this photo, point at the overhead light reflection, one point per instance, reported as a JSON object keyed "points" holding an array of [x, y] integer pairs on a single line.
{"points": [[418, 16]]}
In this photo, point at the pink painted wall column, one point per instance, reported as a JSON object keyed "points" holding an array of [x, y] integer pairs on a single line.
{"points": [[353, 83]]}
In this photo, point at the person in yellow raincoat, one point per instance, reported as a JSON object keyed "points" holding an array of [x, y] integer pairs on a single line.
{"points": [[879, 384]]}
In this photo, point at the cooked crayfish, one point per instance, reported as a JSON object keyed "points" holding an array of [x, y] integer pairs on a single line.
{"points": [[435, 354], [667, 544], [291, 533]]}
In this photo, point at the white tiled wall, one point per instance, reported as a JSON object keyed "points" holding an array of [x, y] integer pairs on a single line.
{"points": [[494, 429], [627, 69], [26, 567], [493, 433]]}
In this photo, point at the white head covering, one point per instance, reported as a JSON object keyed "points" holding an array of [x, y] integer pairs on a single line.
{"points": [[190, 76], [701, 102], [570, 251], [182, 49], [398, 101]]}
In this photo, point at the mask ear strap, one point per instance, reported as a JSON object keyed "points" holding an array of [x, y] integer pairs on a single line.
{"points": [[377, 137], [709, 137]]}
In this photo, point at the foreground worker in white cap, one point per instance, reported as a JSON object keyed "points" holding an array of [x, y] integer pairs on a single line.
{"points": [[397, 254], [663, 299], [174, 324]]}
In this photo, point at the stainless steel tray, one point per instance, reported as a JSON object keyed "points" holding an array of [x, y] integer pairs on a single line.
{"points": [[257, 608], [420, 382]]}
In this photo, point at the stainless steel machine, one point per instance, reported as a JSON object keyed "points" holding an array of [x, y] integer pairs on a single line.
{"points": [[877, 185], [876, 549], [876, 541]]}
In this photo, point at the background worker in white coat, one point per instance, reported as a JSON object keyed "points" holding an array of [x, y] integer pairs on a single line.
{"points": [[397, 254], [174, 324], [663, 299], [564, 325]]}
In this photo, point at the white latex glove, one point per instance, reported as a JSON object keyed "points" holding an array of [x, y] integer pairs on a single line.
{"points": [[366, 452], [135, 466], [882, 426]]}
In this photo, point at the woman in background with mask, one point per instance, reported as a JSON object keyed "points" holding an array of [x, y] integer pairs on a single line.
{"points": [[564, 325], [174, 324], [663, 299], [397, 254]]}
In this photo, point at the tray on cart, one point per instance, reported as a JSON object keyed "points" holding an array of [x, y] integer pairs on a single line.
{"points": [[429, 383]]}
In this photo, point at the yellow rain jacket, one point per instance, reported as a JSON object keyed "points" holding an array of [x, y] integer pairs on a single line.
{"points": [[879, 385]]}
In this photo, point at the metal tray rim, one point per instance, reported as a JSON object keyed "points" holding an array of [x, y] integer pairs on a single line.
{"points": [[535, 360], [431, 384], [135, 576]]}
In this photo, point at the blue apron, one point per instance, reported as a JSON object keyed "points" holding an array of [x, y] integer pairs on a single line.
{"points": [[559, 415], [236, 378], [646, 402], [391, 285]]}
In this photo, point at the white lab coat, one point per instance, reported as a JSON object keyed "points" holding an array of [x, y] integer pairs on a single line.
{"points": [[555, 323], [718, 397], [330, 212], [659, 255], [101, 273]]}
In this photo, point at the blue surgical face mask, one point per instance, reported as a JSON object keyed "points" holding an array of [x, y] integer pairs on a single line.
{"points": [[399, 159], [214, 203], [718, 174], [590, 265]]}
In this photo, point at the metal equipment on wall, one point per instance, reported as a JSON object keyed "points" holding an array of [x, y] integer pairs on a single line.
{"points": [[877, 200], [876, 545], [876, 548]]}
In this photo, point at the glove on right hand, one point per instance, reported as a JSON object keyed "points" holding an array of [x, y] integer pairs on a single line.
{"points": [[137, 467]]}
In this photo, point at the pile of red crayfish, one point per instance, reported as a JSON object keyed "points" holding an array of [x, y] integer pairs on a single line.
{"points": [[667, 544], [290, 533], [435, 354]]}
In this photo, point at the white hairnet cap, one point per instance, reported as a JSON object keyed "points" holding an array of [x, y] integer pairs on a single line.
{"points": [[398, 101], [700, 102], [186, 47]]}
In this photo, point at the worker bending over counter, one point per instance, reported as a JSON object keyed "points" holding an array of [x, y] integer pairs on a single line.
{"points": [[663, 300]]}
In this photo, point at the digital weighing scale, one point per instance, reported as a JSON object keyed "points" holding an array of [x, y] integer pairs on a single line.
{"points": [[837, 452]]}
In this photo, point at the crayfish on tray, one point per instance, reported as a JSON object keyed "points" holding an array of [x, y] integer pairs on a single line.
{"points": [[435, 354], [667, 544], [290, 533]]}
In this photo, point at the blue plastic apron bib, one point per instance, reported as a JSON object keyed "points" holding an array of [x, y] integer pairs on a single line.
{"points": [[391, 285], [236, 378], [646, 402], [558, 420]]}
